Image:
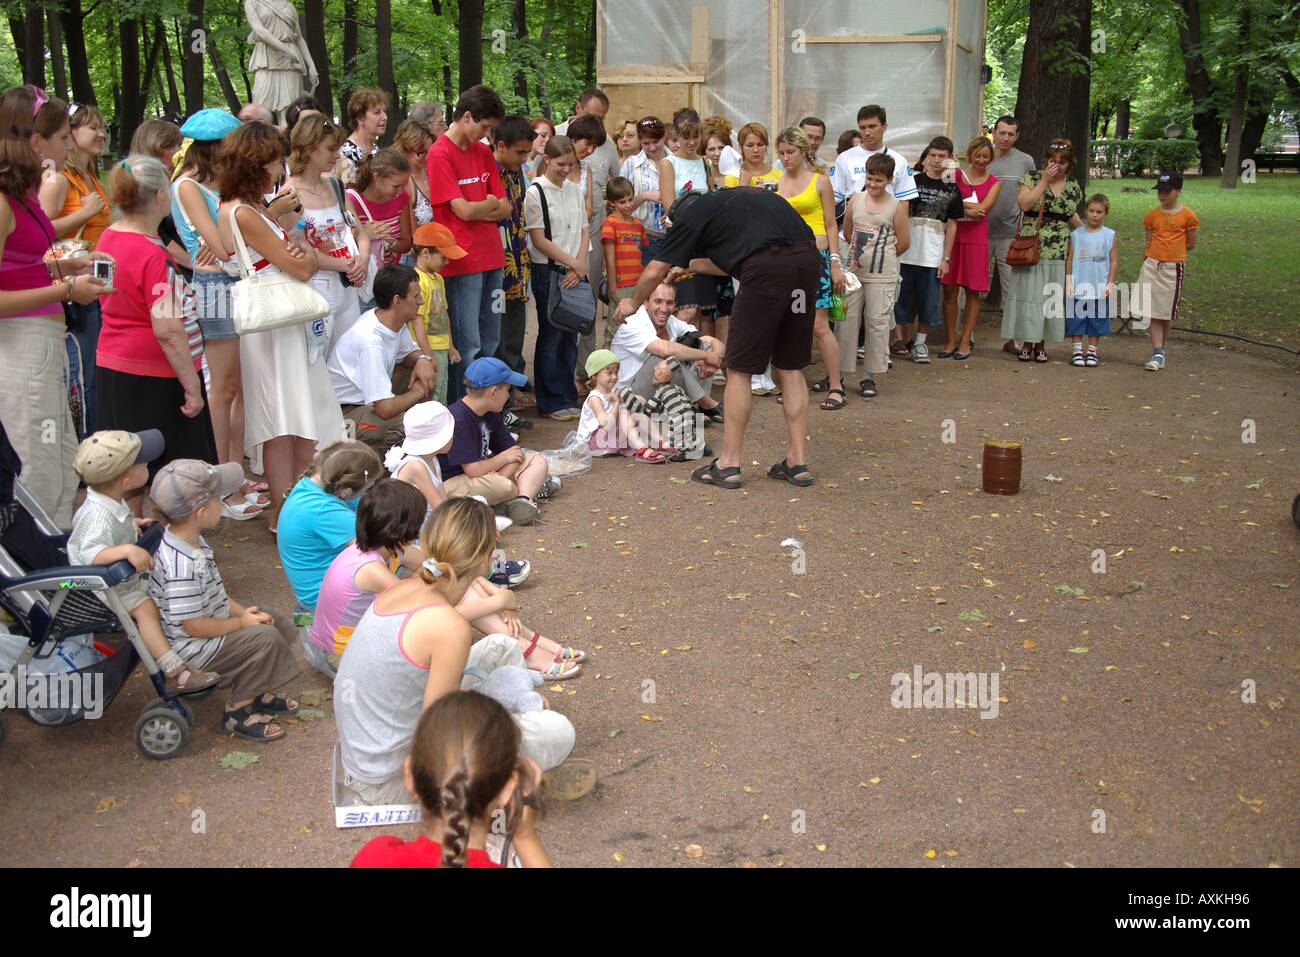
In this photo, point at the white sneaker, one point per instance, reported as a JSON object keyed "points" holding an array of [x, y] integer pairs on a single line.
{"points": [[1155, 363], [920, 353], [862, 353]]}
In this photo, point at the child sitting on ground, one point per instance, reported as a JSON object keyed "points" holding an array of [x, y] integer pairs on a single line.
{"points": [[465, 765], [433, 246], [505, 474], [606, 425], [253, 650], [104, 531], [1090, 269]]}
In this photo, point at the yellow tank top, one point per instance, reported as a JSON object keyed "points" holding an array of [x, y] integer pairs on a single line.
{"points": [[809, 205]]}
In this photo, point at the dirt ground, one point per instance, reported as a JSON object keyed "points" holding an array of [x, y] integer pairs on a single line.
{"points": [[768, 736]]}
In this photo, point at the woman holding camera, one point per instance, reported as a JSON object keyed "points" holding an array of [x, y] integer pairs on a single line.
{"points": [[150, 347]]}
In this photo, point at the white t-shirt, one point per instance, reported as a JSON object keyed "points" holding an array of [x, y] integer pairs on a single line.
{"points": [[632, 338], [362, 363], [568, 217], [729, 162], [643, 173], [849, 174]]}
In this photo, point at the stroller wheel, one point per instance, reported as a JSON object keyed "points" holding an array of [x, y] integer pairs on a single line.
{"points": [[189, 712], [158, 704], [161, 733]]}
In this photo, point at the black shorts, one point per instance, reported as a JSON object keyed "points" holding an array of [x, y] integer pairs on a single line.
{"points": [[772, 319]]}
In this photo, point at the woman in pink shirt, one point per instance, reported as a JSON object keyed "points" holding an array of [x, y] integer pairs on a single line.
{"points": [[382, 205], [150, 348]]}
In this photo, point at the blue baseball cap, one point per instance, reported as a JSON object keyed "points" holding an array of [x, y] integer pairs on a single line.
{"points": [[488, 371], [210, 124]]}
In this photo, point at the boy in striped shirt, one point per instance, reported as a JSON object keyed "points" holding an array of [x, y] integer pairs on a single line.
{"points": [[252, 650], [622, 237]]}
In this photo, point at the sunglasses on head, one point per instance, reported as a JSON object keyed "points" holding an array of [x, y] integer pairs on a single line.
{"points": [[653, 127]]}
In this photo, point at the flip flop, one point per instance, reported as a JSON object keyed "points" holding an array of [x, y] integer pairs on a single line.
{"points": [[712, 475]]}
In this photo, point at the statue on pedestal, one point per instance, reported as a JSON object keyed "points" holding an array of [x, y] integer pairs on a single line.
{"points": [[280, 62]]}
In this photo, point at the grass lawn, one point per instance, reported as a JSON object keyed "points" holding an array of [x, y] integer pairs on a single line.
{"points": [[1244, 274]]}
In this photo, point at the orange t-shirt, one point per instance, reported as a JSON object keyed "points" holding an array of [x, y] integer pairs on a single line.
{"points": [[628, 236], [1169, 234], [77, 191]]}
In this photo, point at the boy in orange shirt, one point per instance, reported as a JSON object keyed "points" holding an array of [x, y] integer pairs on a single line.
{"points": [[1171, 232], [622, 237]]}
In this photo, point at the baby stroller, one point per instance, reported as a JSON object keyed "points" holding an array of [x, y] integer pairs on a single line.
{"points": [[55, 605]]}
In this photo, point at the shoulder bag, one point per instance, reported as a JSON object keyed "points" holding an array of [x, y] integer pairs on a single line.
{"points": [[1024, 249], [571, 310], [261, 303], [367, 289]]}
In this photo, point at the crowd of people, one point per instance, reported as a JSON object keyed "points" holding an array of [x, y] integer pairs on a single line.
{"points": [[382, 437]]}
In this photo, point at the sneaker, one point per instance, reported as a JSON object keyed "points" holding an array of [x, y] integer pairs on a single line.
{"points": [[1091, 359], [1155, 363], [920, 353], [522, 510], [507, 574], [549, 488], [515, 423], [502, 523], [862, 353], [1076, 359]]}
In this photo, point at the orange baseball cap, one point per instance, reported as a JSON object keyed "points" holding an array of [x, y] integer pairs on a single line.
{"points": [[440, 238]]}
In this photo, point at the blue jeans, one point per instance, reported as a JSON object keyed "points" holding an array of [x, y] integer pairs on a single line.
{"points": [[556, 353], [82, 341], [474, 305], [651, 249], [919, 289]]}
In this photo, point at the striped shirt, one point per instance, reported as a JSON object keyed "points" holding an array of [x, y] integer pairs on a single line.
{"points": [[185, 584], [627, 237], [100, 523]]}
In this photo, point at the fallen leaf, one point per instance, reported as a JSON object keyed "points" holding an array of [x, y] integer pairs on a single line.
{"points": [[616, 732], [949, 853], [238, 759], [694, 850], [617, 856], [854, 675], [577, 544], [108, 804], [933, 628], [1052, 478], [930, 854], [681, 648], [1081, 650], [873, 780], [1028, 643], [739, 596], [749, 790], [309, 714], [646, 717]]}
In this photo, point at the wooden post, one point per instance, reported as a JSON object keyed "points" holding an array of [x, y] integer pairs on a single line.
{"points": [[951, 47], [776, 63], [700, 42]]}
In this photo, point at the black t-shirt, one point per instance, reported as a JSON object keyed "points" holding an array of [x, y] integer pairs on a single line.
{"points": [[936, 199], [730, 225]]}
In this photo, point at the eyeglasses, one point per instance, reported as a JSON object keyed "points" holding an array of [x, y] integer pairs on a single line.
{"points": [[41, 98]]}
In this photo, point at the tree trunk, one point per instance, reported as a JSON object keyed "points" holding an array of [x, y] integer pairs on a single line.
{"points": [[223, 78], [57, 60], [33, 62], [1237, 118], [192, 50], [1052, 98], [521, 36], [131, 104], [384, 64], [313, 15], [591, 48], [150, 66], [469, 25], [1205, 117], [173, 105], [349, 57], [17, 26], [1122, 114], [543, 93], [74, 38], [243, 71]]}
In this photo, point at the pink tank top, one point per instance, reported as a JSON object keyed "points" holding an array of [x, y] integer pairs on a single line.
{"points": [[22, 266], [342, 602]]}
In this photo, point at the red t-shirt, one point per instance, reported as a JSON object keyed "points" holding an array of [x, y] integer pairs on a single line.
{"points": [[144, 274], [390, 851], [627, 237], [470, 174]]}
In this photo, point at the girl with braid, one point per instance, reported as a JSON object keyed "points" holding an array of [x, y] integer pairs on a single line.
{"points": [[467, 772]]}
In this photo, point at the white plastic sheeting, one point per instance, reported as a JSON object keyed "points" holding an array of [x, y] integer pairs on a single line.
{"points": [[829, 80]]}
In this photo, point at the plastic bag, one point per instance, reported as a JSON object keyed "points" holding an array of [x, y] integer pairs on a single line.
{"points": [[573, 459], [70, 654]]}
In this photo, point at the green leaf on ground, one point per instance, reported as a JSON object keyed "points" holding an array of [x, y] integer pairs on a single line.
{"points": [[1256, 484], [577, 544], [854, 675], [973, 615], [739, 596], [1185, 478], [1052, 478], [309, 714], [933, 628], [1081, 650], [1281, 585], [616, 732], [1138, 586], [1069, 590], [238, 759]]}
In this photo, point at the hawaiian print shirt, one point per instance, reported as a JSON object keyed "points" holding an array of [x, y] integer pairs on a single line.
{"points": [[516, 271]]}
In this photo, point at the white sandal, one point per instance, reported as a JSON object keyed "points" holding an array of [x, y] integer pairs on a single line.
{"points": [[241, 512]]}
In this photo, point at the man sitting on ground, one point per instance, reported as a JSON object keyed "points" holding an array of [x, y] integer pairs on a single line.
{"points": [[366, 357], [651, 357], [484, 458]]}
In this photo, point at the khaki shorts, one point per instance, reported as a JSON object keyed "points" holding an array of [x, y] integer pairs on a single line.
{"points": [[495, 488], [1160, 288]]}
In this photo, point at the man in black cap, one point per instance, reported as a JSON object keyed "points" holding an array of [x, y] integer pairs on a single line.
{"points": [[757, 237]]}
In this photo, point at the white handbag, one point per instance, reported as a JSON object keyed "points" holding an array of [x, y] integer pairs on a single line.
{"points": [[367, 289], [261, 303]]}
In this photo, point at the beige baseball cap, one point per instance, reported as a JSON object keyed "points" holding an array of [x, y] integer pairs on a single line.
{"points": [[104, 456]]}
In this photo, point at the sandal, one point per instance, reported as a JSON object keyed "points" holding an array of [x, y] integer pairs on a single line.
{"points": [[1010, 347], [278, 704], [947, 353], [255, 485], [241, 721], [794, 474], [256, 496], [868, 388], [187, 679], [241, 512], [713, 414], [649, 455], [830, 403], [1026, 354], [559, 671], [900, 349], [1040, 355], [565, 653], [823, 386], [712, 475]]}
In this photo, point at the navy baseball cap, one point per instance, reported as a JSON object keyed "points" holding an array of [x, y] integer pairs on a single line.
{"points": [[489, 371], [1169, 181]]}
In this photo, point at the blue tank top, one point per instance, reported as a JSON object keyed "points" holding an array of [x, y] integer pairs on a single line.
{"points": [[1091, 263], [189, 235]]}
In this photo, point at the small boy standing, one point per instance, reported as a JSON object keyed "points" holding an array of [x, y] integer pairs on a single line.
{"points": [[1090, 268], [1171, 232], [104, 531], [484, 458], [434, 247], [253, 650], [622, 237]]}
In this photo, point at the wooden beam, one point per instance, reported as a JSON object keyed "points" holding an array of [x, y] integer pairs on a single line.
{"points": [[700, 39], [900, 38], [776, 63], [649, 74], [952, 63], [965, 47]]}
